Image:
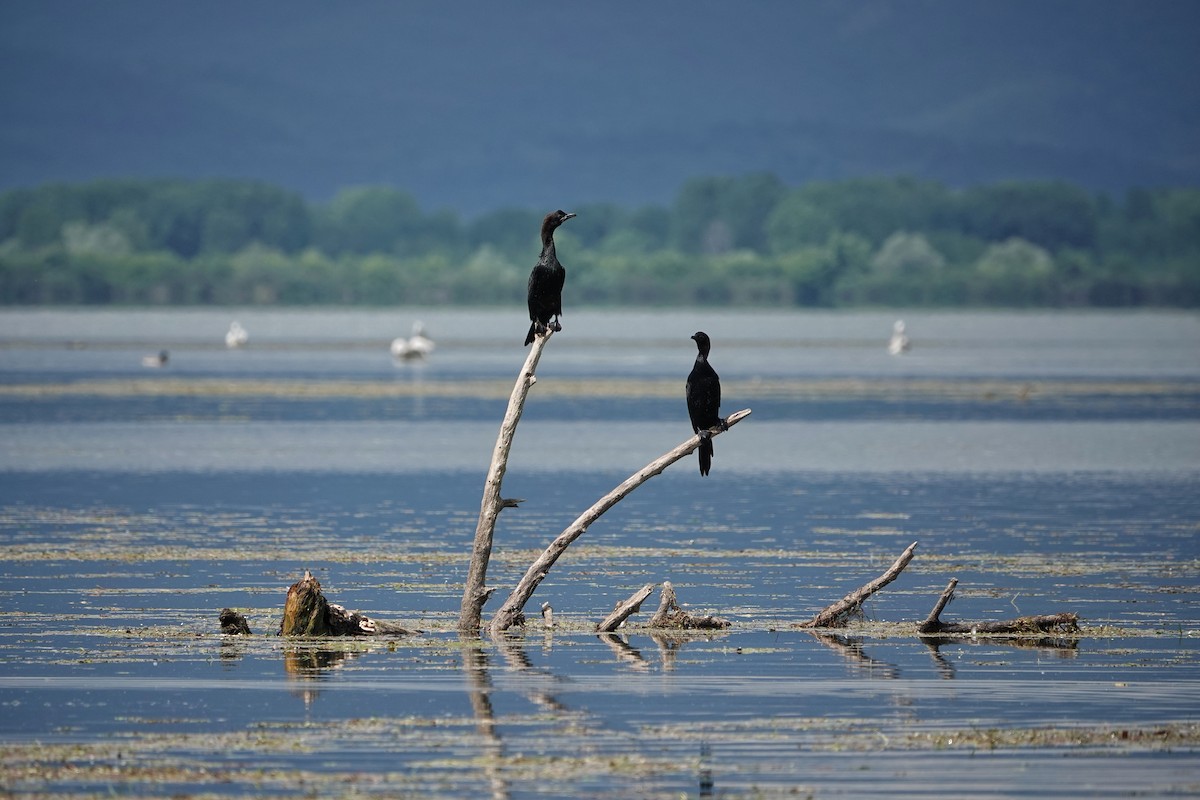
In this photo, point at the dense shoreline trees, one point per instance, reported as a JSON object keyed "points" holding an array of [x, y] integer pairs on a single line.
{"points": [[724, 241]]}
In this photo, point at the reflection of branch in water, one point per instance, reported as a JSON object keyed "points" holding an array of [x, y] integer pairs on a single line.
{"points": [[624, 651], [668, 648], [518, 661], [1061, 648], [669, 644], [944, 667], [706, 778], [514, 653], [479, 690], [852, 651]]}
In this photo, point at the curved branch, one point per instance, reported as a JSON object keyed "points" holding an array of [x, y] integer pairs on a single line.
{"points": [[511, 612]]}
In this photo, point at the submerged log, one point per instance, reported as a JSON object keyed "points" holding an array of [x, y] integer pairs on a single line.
{"points": [[624, 610], [1021, 626], [306, 612], [838, 614], [670, 615]]}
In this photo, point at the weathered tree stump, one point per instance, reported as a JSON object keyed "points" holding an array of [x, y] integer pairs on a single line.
{"points": [[233, 623], [1021, 626], [839, 614], [306, 612], [670, 615]]}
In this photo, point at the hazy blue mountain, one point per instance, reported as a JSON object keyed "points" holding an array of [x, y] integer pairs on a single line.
{"points": [[475, 105]]}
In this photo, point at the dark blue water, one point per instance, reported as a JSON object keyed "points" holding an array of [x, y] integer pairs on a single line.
{"points": [[1053, 471]]}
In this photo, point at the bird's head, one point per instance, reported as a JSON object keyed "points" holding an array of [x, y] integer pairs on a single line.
{"points": [[554, 219], [703, 344]]}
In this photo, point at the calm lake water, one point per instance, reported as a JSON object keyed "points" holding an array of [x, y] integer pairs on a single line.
{"points": [[1049, 462]]}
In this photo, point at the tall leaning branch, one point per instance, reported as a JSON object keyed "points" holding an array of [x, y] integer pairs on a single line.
{"points": [[475, 593], [510, 613]]}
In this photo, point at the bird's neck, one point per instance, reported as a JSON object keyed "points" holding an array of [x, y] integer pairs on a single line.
{"points": [[548, 254]]}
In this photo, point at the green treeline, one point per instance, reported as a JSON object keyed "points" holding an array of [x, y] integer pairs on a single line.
{"points": [[744, 241]]}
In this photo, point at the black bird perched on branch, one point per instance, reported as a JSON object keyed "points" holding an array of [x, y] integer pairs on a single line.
{"points": [[546, 280], [703, 393]]}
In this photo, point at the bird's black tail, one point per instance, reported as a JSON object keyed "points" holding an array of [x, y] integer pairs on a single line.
{"points": [[706, 454], [529, 336]]}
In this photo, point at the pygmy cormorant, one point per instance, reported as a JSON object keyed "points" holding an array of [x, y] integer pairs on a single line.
{"points": [[703, 393], [546, 280]]}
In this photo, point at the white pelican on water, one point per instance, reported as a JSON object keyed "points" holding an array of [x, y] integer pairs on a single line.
{"points": [[236, 336], [899, 342], [416, 347]]}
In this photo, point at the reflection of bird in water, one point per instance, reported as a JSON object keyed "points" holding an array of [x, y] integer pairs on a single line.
{"points": [[416, 347], [703, 393], [899, 342], [236, 336], [157, 360]]}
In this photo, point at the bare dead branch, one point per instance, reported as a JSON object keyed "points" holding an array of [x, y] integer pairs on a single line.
{"points": [[947, 595], [670, 615], [837, 614], [510, 613], [1021, 626], [474, 595], [625, 609]]}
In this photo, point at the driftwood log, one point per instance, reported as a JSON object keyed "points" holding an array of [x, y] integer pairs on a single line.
{"points": [[306, 612], [1021, 626], [670, 615], [475, 592], [839, 614], [624, 610], [511, 613]]}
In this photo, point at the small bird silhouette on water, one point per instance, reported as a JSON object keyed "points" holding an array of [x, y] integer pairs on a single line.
{"points": [[703, 394], [158, 360], [546, 281]]}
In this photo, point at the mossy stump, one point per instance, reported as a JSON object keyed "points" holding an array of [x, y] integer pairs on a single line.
{"points": [[306, 611]]}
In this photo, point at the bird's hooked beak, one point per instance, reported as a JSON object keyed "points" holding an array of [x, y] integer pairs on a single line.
{"points": [[567, 217], [692, 337]]}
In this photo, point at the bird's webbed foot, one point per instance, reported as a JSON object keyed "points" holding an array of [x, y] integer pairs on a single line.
{"points": [[538, 327], [555, 325], [723, 423]]}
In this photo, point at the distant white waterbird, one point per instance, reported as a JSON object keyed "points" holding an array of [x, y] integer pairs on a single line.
{"points": [[236, 336], [899, 342], [417, 346]]}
